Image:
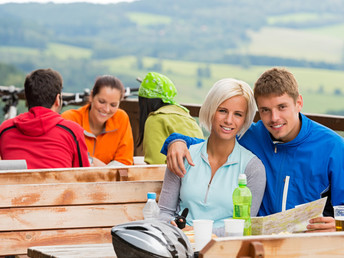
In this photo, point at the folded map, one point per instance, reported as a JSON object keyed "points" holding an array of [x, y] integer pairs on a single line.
{"points": [[292, 221]]}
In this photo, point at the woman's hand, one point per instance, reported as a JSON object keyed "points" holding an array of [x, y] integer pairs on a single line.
{"points": [[97, 163], [174, 223], [188, 228]]}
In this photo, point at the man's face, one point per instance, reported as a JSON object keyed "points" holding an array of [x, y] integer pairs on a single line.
{"points": [[280, 115]]}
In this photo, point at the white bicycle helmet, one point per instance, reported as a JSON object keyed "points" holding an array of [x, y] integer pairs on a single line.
{"points": [[150, 238]]}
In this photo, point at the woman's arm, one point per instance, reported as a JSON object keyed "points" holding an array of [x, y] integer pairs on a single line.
{"points": [[169, 196], [256, 181]]}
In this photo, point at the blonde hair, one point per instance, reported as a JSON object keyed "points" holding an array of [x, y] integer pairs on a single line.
{"points": [[221, 91]]}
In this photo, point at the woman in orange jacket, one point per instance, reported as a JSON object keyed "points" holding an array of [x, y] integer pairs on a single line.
{"points": [[107, 128]]}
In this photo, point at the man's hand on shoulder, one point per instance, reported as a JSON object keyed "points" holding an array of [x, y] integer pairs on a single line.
{"points": [[177, 151], [321, 224]]}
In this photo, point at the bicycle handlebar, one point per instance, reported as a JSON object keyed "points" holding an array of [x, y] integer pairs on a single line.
{"points": [[9, 90], [75, 98], [79, 98], [11, 95]]}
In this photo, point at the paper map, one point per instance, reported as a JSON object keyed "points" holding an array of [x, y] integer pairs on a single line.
{"points": [[292, 221]]}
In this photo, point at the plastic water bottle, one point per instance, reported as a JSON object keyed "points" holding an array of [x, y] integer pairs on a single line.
{"points": [[151, 209], [242, 200]]}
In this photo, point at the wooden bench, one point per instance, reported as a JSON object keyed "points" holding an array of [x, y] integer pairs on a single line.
{"points": [[292, 245], [71, 206]]}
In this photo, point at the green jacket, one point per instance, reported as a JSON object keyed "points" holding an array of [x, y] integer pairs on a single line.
{"points": [[160, 124]]}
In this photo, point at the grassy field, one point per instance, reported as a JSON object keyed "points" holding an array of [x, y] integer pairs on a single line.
{"points": [[144, 19], [296, 18], [8, 52], [334, 31], [317, 86], [65, 51], [298, 44]]}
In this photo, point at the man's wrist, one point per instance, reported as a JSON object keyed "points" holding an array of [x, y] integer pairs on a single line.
{"points": [[176, 140]]}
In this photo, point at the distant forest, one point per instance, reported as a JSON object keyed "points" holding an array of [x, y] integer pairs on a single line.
{"points": [[184, 30], [81, 40]]}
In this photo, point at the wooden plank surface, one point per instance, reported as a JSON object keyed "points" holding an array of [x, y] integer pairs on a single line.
{"points": [[293, 245], [78, 251], [69, 216], [144, 172], [70, 175], [70, 206], [19, 242], [76, 193]]}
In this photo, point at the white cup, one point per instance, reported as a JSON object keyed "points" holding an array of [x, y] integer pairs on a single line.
{"points": [[139, 160], [203, 229], [234, 227]]}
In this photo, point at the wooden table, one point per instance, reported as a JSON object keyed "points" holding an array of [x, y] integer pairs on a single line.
{"points": [[90, 250], [291, 245]]}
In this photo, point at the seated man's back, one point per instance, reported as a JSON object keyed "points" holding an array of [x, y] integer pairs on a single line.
{"points": [[41, 136], [44, 139]]}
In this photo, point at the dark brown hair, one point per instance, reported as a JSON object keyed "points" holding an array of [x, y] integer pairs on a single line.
{"points": [[107, 81], [276, 81], [42, 87]]}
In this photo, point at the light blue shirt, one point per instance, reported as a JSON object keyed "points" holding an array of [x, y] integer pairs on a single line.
{"points": [[214, 200]]}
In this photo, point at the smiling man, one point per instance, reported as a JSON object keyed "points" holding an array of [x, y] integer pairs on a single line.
{"points": [[290, 145]]}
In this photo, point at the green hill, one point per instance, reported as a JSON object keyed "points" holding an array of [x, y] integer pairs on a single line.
{"points": [[193, 42]]}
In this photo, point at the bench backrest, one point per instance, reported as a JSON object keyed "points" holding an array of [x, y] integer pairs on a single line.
{"points": [[48, 208], [91, 174]]}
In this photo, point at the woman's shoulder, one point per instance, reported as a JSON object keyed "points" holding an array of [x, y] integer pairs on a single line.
{"points": [[172, 110], [121, 113], [119, 120], [74, 114], [197, 148], [245, 152], [250, 159]]}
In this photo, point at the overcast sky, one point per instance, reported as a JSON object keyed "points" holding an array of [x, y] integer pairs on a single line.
{"points": [[65, 1]]}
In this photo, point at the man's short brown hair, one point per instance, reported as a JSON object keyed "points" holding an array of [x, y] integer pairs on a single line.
{"points": [[276, 81], [41, 87]]}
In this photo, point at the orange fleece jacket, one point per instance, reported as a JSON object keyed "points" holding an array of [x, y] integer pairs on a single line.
{"points": [[114, 143]]}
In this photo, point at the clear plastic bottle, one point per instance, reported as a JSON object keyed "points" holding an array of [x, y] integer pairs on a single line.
{"points": [[242, 201], [151, 209]]}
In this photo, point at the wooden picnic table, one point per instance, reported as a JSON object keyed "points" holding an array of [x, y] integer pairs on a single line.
{"points": [[289, 245], [61, 251]]}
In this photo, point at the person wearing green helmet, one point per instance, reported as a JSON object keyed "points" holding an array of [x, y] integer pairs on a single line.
{"points": [[161, 115]]}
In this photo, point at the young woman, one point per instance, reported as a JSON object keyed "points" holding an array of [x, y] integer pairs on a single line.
{"points": [[107, 128], [206, 189], [160, 116]]}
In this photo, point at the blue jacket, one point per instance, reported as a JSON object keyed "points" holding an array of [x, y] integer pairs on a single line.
{"points": [[314, 161]]}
